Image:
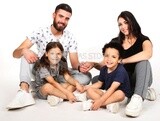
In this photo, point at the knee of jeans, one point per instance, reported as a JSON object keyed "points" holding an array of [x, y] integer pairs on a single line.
{"points": [[144, 62], [94, 79], [83, 79]]}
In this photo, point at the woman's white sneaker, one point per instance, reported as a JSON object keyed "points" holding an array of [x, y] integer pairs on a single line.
{"points": [[134, 107], [151, 94]]}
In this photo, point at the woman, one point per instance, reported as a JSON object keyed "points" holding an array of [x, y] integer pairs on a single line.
{"points": [[137, 52]]}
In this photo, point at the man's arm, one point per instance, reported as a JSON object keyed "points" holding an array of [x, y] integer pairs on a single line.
{"points": [[23, 50], [85, 66], [74, 60]]}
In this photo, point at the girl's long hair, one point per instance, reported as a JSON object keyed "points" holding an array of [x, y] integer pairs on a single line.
{"points": [[44, 62]]}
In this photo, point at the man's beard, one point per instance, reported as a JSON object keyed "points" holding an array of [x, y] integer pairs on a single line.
{"points": [[60, 29]]}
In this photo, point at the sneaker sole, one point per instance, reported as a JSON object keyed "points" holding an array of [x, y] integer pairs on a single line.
{"points": [[131, 113], [18, 107]]}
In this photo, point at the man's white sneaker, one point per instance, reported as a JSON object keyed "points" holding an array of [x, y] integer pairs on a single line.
{"points": [[22, 99], [134, 107], [80, 97], [86, 105], [113, 107], [53, 100], [151, 94]]}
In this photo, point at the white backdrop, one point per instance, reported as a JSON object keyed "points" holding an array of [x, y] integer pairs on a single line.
{"points": [[94, 22]]}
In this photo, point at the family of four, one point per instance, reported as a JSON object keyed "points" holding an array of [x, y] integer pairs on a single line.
{"points": [[125, 72]]}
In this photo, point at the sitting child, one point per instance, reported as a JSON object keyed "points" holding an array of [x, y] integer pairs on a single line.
{"points": [[113, 84], [52, 78]]}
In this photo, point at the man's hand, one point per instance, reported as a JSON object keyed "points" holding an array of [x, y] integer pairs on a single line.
{"points": [[86, 66], [29, 55]]}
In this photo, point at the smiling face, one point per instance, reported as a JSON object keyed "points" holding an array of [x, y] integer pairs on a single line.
{"points": [[61, 18], [123, 26], [54, 55], [111, 58]]}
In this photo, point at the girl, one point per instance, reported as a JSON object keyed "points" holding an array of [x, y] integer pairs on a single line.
{"points": [[49, 71]]}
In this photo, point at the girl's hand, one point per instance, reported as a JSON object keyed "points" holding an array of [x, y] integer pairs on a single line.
{"points": [[80, 87], [71, 97], [86, 87]]}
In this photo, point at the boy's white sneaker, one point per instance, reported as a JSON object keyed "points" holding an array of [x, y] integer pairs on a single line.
{"points": [[151, 94], [86, 105], [80, 97], [53, 100], [22, 99], [134, 107], [113, 107]]}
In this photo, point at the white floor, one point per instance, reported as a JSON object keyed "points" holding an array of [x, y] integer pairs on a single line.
{"points": [[42, 111]]}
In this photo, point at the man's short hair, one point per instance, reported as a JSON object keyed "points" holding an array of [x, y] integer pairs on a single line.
{"points": [[64, 6]]}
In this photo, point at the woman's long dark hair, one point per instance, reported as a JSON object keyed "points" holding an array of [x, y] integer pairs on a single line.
{"points": [[134, 27], [44, 62]]}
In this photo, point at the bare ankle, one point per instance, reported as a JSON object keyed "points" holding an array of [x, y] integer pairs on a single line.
{"points": [[24, 86]]}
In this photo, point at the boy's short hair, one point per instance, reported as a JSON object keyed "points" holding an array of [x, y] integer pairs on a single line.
{"points": [[114, 45], [64, 6]]}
